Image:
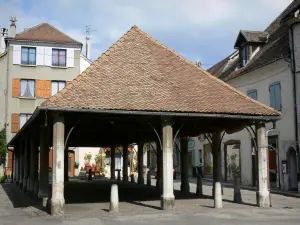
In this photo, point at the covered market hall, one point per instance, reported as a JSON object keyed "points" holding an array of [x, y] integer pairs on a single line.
{"points": [[138, 91]]}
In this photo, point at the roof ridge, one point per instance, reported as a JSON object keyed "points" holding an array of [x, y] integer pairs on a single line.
{"points": [[202, 70], [31, 28], [87, 70]]}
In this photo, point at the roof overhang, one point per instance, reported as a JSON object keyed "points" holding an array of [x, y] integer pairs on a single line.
{"points": [[41, 109]]}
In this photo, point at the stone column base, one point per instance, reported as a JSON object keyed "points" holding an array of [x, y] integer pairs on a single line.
{"points": [[167, 203], [57, 207], [263, 199], [43, 199], [185, 188], [24, 187], [125, 178]]}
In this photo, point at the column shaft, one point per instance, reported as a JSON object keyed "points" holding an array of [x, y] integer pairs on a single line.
{"points": [[112, 163], [125, 162], [216, 142], [262, 196], [57, 200], [26, 164], [168, 199], [185, 186], [43, 193], [140, 163]]}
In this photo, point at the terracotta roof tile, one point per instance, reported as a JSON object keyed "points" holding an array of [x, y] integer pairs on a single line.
{"points": [[139, 73], [45, 32]]}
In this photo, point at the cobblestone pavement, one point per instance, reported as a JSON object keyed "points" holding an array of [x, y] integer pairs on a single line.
{"points": [[140, 205]]}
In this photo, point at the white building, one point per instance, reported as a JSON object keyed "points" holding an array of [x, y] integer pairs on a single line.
{"points": [[262, 67]]}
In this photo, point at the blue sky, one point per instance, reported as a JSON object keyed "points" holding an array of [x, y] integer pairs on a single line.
{"points": [[198, 29]]}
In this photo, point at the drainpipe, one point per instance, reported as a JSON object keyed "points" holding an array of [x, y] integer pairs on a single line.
{"points": [[293, 69], [6, 88]]}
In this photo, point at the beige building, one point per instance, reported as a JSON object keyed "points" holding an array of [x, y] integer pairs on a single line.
{"points": [[266, 66], [34, 65]]}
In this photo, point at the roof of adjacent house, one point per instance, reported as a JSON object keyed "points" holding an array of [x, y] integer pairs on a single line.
{"points": [[138, 73], [252, 36], [275, 48], [46, 33]]}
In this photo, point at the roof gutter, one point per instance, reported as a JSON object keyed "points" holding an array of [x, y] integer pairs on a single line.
{"points": [[155, 113]]}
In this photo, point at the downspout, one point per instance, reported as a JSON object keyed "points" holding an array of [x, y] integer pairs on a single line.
{"points": [[293, 68], [6, 88]]}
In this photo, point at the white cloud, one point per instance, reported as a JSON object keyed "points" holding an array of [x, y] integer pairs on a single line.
{"points": [[177, 21]]}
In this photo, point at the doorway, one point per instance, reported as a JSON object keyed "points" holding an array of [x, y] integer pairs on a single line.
{"points": [[208, 160], [232, 159]]}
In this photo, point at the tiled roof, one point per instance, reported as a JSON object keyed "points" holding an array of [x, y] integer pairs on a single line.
{"points": [[254, 36], [45, 32], [275, 48], [138, 73]]}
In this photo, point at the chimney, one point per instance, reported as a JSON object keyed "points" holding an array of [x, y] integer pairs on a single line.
{"points": [[3, 35], [88, 48], [12, 32]]}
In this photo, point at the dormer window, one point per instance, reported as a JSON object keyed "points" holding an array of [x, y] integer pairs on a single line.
{"points": [[248, 43]]}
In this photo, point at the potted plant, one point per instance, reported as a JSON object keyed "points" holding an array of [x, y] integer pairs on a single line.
{"points": [[87, 158], [97, 161]]}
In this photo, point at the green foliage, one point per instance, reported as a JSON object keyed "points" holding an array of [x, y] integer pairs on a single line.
{"points": [[3, 178], [3, 146]]}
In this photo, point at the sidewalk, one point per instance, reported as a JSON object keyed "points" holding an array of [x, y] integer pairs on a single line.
{"points": [[244, 187]]}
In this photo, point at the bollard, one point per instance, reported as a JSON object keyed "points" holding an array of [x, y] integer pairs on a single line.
{"points": [[237, 197], [90, 174], [114, 199], [199, 191], [148, 179], [132, 178]]}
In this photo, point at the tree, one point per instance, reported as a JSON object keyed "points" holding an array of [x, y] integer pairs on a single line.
{"points": [[3, 146]]}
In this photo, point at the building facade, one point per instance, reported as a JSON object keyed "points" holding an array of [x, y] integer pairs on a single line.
{"points": [[34, 65], [265, 66]]}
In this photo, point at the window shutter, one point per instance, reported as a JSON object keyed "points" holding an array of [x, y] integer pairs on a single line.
{"points": [[272, 97], [40, 52], [277, 92], [17, 54], [15, 123], [47, 88], [70, 57], [16, 87], [39, 88], [48, 56]]}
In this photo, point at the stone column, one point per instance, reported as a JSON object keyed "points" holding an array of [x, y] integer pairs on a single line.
{"points": [[140, 163], [262, 196], [167, 199], [216, 142], [16, 171], [159, 165], [66, 168], [112, 162], [185, 186], [21, 163], [26, 164], [125, 163], [43, 193], [32, 166], [57, 200]]}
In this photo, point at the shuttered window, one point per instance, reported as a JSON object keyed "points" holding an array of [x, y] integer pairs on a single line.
{"points": [[28, 56], [252, 94], [27, 88], [275, 96], [15, 123], [57, 86], [59, 57], [23, 118], [16, 85]]}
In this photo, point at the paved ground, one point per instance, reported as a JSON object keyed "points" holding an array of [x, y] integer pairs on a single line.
{"points": [[140, 205]]}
